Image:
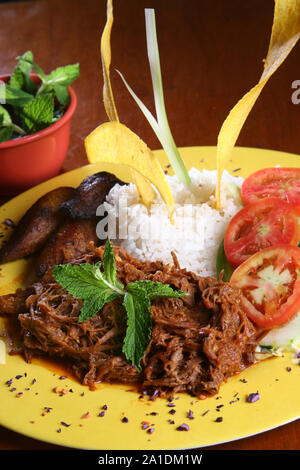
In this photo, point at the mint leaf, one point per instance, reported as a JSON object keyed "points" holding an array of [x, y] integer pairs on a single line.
{"points": [[222, 264], [5, 116], [61, 93], [137, 302], [20, 77], [58, 81], [81, 281], [17, 79], [110, 270], [6, 133], [85, 282], [139, 325], [6, 128], [26, 68], [26, 62], [16, 97], [38, 114], [156, 289], [63, 75], [95, 303]]}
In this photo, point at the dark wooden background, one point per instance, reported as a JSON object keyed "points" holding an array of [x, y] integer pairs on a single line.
{"points": [[211, 54]]}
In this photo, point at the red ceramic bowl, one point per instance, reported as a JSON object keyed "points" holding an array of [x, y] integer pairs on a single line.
{"points": [[27, 161]]}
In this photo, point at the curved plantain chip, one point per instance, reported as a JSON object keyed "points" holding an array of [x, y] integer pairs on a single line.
{"points": [[285, 34], [108, 98], [113, 142], [145, 189]]}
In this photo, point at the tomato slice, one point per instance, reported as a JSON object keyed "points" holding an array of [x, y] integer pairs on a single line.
{"points": [[266, 222], [270, 281], [272, 182]]}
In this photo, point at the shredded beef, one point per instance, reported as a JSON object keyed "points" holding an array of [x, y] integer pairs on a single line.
{"points": [[197, 341]]}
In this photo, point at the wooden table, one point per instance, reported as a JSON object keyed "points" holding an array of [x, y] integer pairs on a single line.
{"points": [[211, 54]]}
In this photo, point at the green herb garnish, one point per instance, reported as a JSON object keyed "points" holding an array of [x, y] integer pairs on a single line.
{"points": [[223, 265], [97, 285], [28, 108], [160, 125]]}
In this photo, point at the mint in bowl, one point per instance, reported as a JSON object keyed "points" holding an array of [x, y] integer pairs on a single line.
{"points": [[35, 119]]}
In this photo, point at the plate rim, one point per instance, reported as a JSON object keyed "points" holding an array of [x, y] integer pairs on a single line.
{"points": [[95, 165]]}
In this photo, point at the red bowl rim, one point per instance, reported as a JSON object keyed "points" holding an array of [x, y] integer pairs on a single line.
{"points": [[48, 130]]}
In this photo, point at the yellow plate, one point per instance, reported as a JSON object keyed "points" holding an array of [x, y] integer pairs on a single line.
{"points": [[279, 390]]}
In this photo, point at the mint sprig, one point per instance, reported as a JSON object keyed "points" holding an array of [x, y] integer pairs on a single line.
{"points": [[97, 285], [20, 78], [88, 283], [139, 325], [31, 107], [38, 113]]}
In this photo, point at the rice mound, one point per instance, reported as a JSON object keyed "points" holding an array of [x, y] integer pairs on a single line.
{"points": [[198, 227]]}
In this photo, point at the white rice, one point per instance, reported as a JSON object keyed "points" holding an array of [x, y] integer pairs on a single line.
{"points": [[198, 227]]}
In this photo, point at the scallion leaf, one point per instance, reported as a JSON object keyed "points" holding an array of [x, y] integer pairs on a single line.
{"points": [[160, 125]]}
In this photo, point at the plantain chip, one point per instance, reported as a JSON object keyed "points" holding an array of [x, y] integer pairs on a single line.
{"points": [[114, 142], [108, 97], [285, 34]]}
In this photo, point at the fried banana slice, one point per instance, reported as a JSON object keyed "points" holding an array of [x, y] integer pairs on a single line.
{"points": [[36, 226], [89, 195], [71, 241]]}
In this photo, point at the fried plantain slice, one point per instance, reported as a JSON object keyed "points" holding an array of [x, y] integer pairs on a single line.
{"points": [[89, 195], [71, 241], [36, 226]]}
